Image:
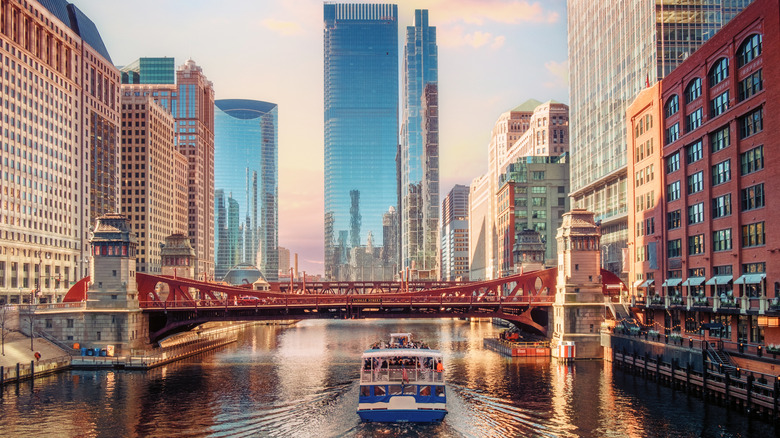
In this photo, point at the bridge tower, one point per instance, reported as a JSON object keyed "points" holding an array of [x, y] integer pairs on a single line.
{"points": [[113, 316], [578, 310], [178, 260]]}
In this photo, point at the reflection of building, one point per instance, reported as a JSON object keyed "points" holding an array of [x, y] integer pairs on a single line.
{"points": [[420, 150], [530, 129], [455, 234], [703, 159], [154, 190], [61, 132], [531, 195], [361, 129], [642, 42], [191, 102], [246, 192]]}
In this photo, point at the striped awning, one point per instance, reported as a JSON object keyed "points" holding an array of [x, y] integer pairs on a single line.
{"points": [[719, 279], [750, 278]]}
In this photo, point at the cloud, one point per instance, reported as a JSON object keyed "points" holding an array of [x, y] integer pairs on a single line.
{"points": [[282, 27], [457, 37], [559, 74], [500, 11]]}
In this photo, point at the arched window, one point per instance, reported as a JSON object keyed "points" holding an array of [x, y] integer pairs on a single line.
{"points": [[719, 71], [693, 90], [749, 50], [672, 105]]}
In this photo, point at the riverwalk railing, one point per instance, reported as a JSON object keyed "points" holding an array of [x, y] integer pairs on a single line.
{"points": [[23, 371]]}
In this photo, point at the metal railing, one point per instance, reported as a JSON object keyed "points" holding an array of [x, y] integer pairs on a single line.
{"points": [[401, 375]]}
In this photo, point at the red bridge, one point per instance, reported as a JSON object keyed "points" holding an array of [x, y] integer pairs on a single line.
{"points": [[523, 299]]}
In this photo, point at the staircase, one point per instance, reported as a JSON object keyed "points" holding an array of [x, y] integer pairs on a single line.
{"points": [[719, 356]]}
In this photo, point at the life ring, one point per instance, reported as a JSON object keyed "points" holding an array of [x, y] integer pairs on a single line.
{"points": [[37, 355]]}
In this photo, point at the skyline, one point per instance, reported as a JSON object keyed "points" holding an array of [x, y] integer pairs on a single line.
{"points": [[491, 57]]}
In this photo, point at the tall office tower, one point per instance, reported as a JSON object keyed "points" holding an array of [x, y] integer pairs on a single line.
{"points": [[532, 128], [455, 234], [361, 137], [420, 150], [58, 157], [154, 177], [191, 102], [615, 50], [246, 188], [149, 71], [284, 261]]}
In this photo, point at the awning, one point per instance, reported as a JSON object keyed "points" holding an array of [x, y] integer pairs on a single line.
{"points": [[694, 281], [637, 283], [669, 282], [712, 325], [719, 279], [750, 279], [647, 283]]}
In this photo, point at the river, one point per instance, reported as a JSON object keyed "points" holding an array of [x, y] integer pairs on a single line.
{"points": [[302, 381]]}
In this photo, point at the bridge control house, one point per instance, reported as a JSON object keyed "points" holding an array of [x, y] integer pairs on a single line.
{"points": [[703, 155]]}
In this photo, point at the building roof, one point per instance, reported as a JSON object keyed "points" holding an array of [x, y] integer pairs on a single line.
{"points": [[527, 106], [244, 108], [72, 17]]}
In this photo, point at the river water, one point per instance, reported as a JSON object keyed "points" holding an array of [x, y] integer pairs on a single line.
{"points": [[302, 381]]}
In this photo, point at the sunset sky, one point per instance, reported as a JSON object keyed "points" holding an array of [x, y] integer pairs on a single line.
{"points": [[493, 55]]}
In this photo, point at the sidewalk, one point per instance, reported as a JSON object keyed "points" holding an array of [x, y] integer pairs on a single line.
{"points": [[17, 350]]}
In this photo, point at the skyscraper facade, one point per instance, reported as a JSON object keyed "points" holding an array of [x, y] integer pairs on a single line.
{"points": [[149, 71], [59, 164], [615, 50], [455, 234], [246, 188], [420, 150], [361, 137]]}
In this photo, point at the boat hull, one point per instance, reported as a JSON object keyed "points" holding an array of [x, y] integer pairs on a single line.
{"points": [[402, 415]]}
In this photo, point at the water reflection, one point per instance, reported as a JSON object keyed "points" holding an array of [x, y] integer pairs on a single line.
{"points": [[301, 380]]}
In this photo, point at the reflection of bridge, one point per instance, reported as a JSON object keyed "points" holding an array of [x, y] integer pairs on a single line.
{"points": [[522, 299]]}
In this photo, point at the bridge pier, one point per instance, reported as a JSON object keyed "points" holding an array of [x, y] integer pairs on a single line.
{"points": [[578, 310]]}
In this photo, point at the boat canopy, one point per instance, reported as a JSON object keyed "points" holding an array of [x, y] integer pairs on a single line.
{"points": [[402, 352]]}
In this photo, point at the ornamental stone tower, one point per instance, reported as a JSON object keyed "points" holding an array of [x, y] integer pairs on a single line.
{"points": [[579, 300]]}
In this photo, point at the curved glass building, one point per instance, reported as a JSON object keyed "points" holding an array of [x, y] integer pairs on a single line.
{"points": [[246, 186]]}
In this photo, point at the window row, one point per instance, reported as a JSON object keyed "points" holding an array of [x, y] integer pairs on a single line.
{"points": [[752, 235]]}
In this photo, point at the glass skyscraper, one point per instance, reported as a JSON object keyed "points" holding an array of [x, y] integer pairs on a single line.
{"points": [[361, 139], [246, 187], [150, 71], [615, 50], [420, 150]]}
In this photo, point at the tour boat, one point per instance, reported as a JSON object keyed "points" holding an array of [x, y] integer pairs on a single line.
{"points": [[402, 381]]}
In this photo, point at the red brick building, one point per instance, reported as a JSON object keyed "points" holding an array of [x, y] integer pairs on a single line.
{"points": [[713, 260]]}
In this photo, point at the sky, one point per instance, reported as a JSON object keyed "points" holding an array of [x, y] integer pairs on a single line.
{"points": [[493, 56]]}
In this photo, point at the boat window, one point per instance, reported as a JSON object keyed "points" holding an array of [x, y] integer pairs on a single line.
{"points": [[410, 390], [439, 391], [365, 391], [425, 390], [396, 390], [379, 391]]}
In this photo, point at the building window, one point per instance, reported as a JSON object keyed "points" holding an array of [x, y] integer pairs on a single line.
{"points": [[752, 160], [720, 139], [674, 248], [672, 105], [752, 197], [721, 206], [673, 219], [721, 240], [696, 244], [751, 85], [673, 191], [672, 133], [751, 123], [719, 71], [650, 226], [694, 152], [537, 175], [754, 268], [721, 172], [673, 162], [696, 213], [693, 90], [750, 49], [693, 120], [696, 182], [753, 235], [719, 104]]}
